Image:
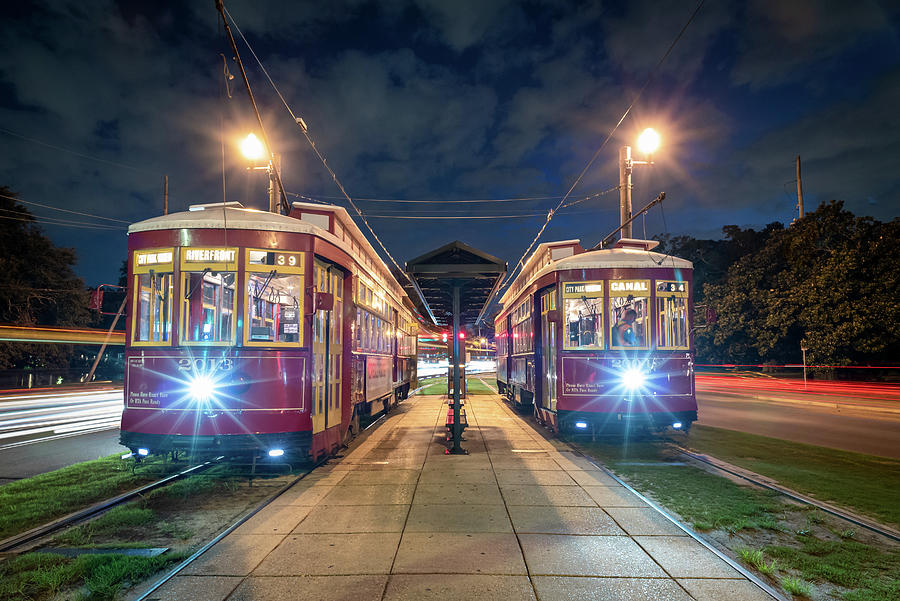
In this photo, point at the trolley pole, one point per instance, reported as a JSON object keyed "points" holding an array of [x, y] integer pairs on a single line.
{"points": [[625, 169]]}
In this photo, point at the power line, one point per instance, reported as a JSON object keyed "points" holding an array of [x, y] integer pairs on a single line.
{"points": [[444, 200], [561, 204], [37, 204], [302, 125], [52, 221], [73, 152]]}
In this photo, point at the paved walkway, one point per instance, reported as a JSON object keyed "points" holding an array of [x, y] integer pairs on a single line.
{"points": [[516, 519]]}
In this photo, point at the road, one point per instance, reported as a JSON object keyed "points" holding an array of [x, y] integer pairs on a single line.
{"points": [[42, 431], [854, 417]]}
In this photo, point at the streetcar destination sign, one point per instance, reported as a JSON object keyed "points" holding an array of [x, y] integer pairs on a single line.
{"points": [[638, 286], [209, 255], [583, 288], [154, 258]]}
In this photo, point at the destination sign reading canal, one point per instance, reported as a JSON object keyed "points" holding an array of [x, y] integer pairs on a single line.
{"points": [[626, 286]]}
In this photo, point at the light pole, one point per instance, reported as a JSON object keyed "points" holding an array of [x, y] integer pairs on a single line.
{"points": [[803, 348], [254, 150], [648, 142]]}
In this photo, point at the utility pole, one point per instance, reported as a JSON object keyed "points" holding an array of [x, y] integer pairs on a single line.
{"points": [[625, 169], [274, 196], [799, 189], [166, 195]]}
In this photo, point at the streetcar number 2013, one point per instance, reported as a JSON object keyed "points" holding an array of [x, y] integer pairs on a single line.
{"points": [[205, 365]]}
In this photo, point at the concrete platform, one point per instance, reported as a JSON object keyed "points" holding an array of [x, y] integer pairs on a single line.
{"points": [[518, 518]]}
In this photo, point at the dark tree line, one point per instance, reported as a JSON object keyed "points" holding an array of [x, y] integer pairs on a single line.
{"points": [[37, 287], [830, 281]]}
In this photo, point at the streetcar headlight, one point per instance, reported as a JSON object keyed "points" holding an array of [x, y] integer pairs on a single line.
{"points": [[276, 452], [633, 378], [202, 388], [143, 452], [581, 425], [677, 425]]}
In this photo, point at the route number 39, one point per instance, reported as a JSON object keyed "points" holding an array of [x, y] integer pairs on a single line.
{"points": [[289, 260]]}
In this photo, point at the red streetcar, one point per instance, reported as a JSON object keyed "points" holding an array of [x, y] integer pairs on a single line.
{"points": [[599, 340], [256, 333]]}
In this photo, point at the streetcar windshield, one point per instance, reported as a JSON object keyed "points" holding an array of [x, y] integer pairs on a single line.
{"points": [[209, 305], [628, 304], [275, 308]]}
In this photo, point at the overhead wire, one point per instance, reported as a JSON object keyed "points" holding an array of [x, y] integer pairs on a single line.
{"points": [[75, 153], [609, 136], [52, 221], [447, 200], [37, 204], [302, 125]]}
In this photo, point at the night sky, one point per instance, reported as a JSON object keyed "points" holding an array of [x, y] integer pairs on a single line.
{"points": [[437, 100]]}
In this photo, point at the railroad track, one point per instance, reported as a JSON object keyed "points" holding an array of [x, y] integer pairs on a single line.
{"points": [[759, 480], [27, 540]]}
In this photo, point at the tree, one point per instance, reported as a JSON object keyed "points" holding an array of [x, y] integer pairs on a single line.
{"points": [[831, 280], [37, 286]]}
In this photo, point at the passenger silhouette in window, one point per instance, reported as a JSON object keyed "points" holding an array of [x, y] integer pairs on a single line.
{"points": [[623, 332]]}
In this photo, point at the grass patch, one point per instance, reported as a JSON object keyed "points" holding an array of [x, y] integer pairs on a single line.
{"points": [[35, 501], [865, 483], [872, 574], [796, 587], [101, 577], [116, 521], [705, 500], [757, 560], [474, 386]]}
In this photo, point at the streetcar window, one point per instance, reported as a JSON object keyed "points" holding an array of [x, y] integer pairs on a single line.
{"points": [[274, 307], [628, 305], [209, 305], [583, 311], [672, 315], [153, 321]]}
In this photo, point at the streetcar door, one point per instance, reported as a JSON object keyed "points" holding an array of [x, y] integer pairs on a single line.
{"points": [[327, 349], [548, 351]]}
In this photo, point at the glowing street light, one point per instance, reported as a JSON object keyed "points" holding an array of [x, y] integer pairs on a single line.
{"points": [[252, 148], [648, 142]]}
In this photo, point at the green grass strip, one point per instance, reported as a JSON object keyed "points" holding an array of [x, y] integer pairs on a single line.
{"points": [[865, 483], [473, 385], [42, 575], [35, 501], [705, 500]]}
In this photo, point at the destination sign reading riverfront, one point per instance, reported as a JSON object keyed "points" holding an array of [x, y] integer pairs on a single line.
{"points": [[209, 255]]}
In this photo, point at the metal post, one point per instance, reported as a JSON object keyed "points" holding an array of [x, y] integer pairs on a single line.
{"points": [[625, 168], [457, 425], [274, 196], [799, 189], [803, 348], [166, 196]]}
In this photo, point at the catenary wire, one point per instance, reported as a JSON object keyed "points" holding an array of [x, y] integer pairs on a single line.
{"points": [[441, 200], [20, 216], [65, 223], [37, 204], [302, 125], [73, 152], [609, 136]]}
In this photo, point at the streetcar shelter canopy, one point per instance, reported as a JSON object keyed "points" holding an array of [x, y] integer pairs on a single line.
{"points": [[435, 274]]}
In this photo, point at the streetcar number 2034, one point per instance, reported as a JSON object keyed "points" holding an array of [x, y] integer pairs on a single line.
{"points": [[205, 365]]}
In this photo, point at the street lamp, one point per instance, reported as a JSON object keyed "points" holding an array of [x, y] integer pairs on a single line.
{"points": [[253, 149], [648, 142]]}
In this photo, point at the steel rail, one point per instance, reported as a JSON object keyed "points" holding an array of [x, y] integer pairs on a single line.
{"points": [[39, 532], [856, 520]]}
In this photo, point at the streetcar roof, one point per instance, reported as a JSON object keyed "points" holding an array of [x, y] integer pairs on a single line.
{"points": [[621, 258], [214, 216]]}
